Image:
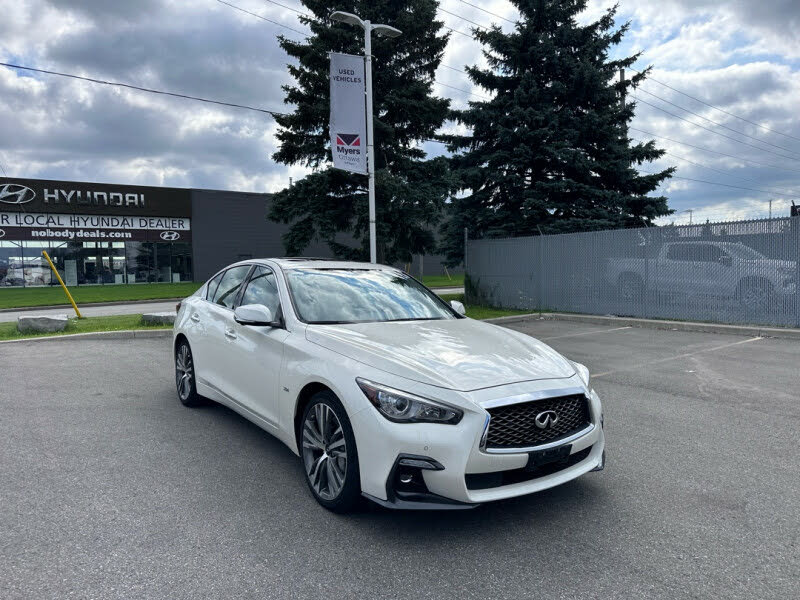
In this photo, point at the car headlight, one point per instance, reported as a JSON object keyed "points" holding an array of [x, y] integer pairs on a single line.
{"points": [[402, 407], [583, 372]]}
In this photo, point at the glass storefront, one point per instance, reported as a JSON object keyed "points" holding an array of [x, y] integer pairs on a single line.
{"points": [[94, 263]]}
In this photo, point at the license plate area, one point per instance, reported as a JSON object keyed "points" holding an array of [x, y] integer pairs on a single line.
{"points": [[537, 458]]}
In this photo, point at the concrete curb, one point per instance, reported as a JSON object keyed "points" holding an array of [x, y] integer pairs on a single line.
{"points": [[126, 334], [744, 330], [90, 304]]}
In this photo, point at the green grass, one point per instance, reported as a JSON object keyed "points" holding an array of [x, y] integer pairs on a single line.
{"points": [[86, 294], [432, 281], [484, 312], [8, 331]]}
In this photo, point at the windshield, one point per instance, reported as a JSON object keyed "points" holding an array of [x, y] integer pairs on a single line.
{"points": [[361, 295], [744, 252]]}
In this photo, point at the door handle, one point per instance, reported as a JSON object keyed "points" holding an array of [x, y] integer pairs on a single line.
{"points": [[230, 334], [196, 318]]}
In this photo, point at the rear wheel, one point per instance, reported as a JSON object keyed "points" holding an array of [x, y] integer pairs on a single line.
{"points": [[328, 449], [184, 375]]}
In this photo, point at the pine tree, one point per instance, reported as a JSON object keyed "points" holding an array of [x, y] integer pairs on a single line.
{"points": [[550, 152], [331, 205]]}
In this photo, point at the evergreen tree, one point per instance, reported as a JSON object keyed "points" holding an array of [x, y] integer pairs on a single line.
{"points": [[550, 152], [410, 190]]}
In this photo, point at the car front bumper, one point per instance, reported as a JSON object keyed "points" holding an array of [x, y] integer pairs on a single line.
{"points": [[470, 474]]}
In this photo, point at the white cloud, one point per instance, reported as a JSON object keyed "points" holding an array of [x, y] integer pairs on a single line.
{"points": [[741, 56]]}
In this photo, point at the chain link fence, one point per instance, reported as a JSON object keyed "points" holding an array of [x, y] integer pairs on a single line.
{"points": [[731, 272]]}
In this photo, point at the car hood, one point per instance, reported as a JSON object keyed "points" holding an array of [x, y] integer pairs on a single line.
{"points": [[458, 354]]}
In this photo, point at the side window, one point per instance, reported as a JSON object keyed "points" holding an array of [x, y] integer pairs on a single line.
{"points": [[228, 287], [679, 252], [262, 289], [211, 288]]}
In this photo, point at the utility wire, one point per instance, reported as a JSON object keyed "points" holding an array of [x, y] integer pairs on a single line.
{"points": [[257, 16], [737, 187], [726, 173], [760, 164], [715, 123], [722, 110], [488, 12], [478, 25], [715, 132], [272, 113], [299, 12]]}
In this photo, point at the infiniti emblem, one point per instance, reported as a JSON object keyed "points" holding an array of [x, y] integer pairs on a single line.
{"points": [[545, 419], [13, 193], [170, 236]]}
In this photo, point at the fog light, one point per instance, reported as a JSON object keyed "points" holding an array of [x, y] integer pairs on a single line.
{"points": [[406, 477]]}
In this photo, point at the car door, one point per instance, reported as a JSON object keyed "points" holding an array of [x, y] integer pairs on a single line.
{"points": [[218, 323], [257, 351]]}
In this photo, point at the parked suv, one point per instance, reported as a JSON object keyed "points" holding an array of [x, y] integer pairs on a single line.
{"points": [[705, 268]]}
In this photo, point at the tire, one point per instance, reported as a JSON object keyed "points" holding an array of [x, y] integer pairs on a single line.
{"points": [[329, 454], [755, 294], [185, 383]]}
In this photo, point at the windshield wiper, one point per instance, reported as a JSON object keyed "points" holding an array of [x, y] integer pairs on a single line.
{"points": [[415, 319]]}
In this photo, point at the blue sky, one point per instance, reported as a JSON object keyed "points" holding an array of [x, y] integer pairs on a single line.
{"points": [[741, 56]]}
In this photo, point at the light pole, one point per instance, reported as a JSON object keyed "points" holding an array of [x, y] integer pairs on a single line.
{"points": [[386, 31]]}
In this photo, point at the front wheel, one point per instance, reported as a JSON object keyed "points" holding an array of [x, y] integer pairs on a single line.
{"points": [[330, 458], [184, 375]]}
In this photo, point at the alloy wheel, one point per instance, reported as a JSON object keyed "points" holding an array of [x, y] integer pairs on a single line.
{"points": [[324, 451], [184, 372]]}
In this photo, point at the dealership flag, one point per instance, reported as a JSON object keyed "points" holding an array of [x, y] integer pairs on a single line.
{"points": [[348, 113]]}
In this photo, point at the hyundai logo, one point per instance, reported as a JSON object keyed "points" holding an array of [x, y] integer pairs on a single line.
{"points": [[170, 236], [13, 193], [545, 419]]}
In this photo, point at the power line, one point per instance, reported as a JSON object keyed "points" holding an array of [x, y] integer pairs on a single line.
{"points": [[726, 173], [737, 187], [257, 16], [299, 12], [272, 113], [461, 17], [715, 132], [722, 110], [488, 12], [760, 164], [461, 90], [715, 123]]}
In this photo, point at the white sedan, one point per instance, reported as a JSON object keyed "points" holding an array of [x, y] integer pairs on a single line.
{"points": [[383, 389]]}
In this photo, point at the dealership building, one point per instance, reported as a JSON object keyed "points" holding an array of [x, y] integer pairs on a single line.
{"points": [[113, 234]]}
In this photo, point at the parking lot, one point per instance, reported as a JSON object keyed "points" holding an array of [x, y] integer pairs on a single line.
{"points": [[111, 489]]}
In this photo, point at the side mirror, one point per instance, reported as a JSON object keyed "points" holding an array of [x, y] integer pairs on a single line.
{"points": [[726, 260], [458, 307], [254, 314]]}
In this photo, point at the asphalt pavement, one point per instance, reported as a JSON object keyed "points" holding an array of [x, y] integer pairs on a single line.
{"points": [[109, 488], [132, 308]]}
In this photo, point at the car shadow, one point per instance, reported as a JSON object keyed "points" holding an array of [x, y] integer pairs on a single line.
{"points": [[556, 505]]}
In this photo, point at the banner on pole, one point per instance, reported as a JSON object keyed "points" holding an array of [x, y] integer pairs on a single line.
{"points": [[348, 126]]}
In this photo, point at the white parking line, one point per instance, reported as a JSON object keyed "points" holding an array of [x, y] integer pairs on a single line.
{"points": [[676, 357], [566, 335]]}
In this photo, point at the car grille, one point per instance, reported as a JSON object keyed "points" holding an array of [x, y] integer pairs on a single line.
{"points": [[514, 426]]}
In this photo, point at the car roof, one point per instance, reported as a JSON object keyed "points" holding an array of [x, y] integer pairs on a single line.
{"points": [[322, 263]]}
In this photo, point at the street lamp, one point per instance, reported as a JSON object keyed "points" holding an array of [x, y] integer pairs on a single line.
{"points": [[389, 32]]}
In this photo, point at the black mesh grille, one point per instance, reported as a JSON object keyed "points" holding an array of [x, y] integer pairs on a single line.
{"points": [[514, 426]]}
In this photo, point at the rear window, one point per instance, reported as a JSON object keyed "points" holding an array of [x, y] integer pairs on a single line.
{"points": [[228, 288]]}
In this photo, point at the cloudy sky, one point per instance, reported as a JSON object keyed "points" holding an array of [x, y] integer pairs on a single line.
{"points": [[741, 57]]}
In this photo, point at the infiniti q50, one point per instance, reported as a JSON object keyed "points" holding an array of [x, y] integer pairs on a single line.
{"points": [[384, 390]]}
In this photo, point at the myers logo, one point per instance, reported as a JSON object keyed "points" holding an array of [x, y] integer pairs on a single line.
{"points": [[13, 193], [170, 236], [348, 143]]}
